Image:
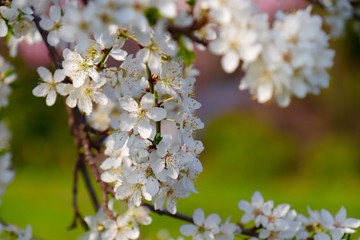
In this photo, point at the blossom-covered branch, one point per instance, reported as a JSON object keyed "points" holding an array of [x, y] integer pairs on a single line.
{"points": [[134, 120]]}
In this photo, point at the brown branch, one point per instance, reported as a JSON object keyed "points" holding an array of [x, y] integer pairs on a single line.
{"points": [[89, 186], [77, 214], [77, 123], [78, 128], [54, 55], [189, 32], [167, 213]]}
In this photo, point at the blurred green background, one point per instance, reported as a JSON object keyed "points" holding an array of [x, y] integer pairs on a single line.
{"points": [[307, 154]]}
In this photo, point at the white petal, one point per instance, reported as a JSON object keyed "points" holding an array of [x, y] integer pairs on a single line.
{"points": [[158, 165], [129, 104], [257, 199], [147, 101], [99, 98], [352, 223], [85, 104], [51, 98], [341, 215], [124, 15], [199, 217], [59, 75], [71, 102], [41, 90], [218, 47], [118, 54], [264, 92], [188, 229], [128, 122], [63, 88], [213, 220], [245, 206], [45, 74], [55, 13], [230, 61], [3, 28], [46, 23], [53, 38], [156, 114], [154, 63], [94, 74], [152, 186], [327, 217], [144, 128]]}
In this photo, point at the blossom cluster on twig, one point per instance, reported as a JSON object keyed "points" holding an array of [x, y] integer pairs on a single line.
{"points": [[137, 114]]}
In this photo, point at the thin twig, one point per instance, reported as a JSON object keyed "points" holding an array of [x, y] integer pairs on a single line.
{"points": [[77, 214], [167, 213], [189, 31], [89, 186], [52, 50]]}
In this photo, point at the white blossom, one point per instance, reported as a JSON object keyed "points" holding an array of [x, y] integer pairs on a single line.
{"points": [[50, 85], [78, 68], [6, 175], [138, 116], [203, 228], [293, 62], [339, 225], [84, 96], [52, 25]]}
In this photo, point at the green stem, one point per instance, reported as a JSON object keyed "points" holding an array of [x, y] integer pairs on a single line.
{"points": [[103, 57], [156, 98]]}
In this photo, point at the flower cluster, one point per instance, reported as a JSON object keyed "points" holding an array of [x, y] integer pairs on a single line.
{"points": [[12, 232], [339, 13], [144, 159], [209, 228], [273, 222], [282, 222], [139, 108], [7, 76], [125, 226], [293, 62]]}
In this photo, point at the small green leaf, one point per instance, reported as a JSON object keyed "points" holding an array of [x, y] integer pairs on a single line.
{"points": [[9, 73], [187, 55], [191, 2], [152, 15], [157, 139]]}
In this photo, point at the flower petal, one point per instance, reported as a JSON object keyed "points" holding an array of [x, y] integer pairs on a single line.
{"points": [[45, 74], [129, 104], [157, 114], [51, 97]]}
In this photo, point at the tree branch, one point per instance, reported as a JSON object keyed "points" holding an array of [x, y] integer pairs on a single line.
{"points": [[79, 129], [189, 32], [77, 214]]}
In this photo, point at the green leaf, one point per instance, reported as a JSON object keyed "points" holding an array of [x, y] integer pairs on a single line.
{"points": [[186, 54], [152, 15], [191, 2], [9, 73], [157, 139]]}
